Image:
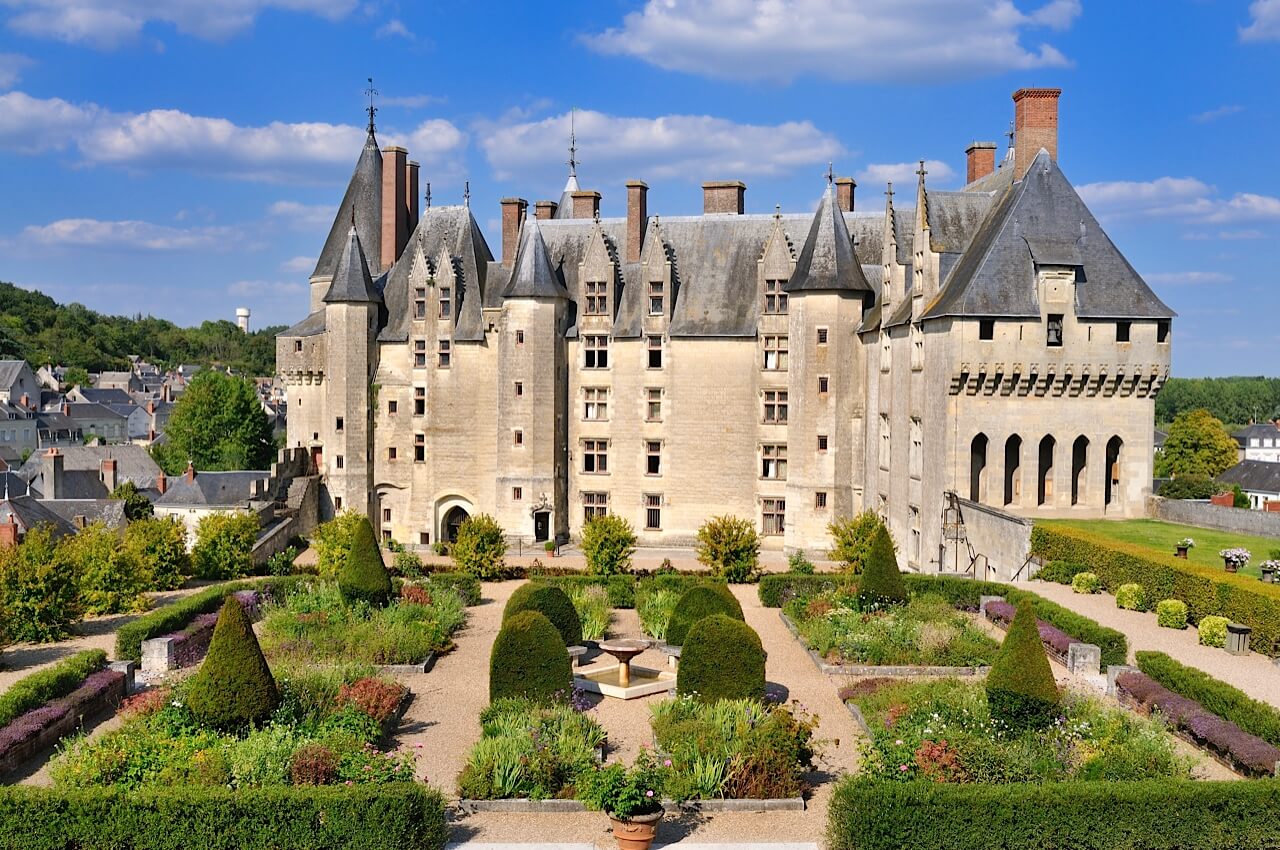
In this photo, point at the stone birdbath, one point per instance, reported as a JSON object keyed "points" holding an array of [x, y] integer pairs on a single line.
{"points": [[624, 650]]}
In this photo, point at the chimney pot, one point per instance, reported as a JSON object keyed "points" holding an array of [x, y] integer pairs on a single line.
{"points": [[637, 218], [845, 187], [1035, 126], [395, 208], [545, 210], [513, 210], [723, 197], [586, 204], [981, 160]]}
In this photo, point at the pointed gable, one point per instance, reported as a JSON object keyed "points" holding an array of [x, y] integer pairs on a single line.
{"points": [[827, 260], [351, 280], [364, 198], [531, 274]]}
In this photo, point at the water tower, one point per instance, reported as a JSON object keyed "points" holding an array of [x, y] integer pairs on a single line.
{"points": [[242, 318]]}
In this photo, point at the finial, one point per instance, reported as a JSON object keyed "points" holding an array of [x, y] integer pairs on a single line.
{"points": [[573, 146], [889, 191], [6, 486], [371, 109], [353, 216], [428, 195], [921, 171], [596, 215], [831, 174], [466, 194], [777, 212], [1009, 133]]}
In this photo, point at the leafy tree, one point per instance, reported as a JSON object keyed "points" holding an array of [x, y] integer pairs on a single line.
{"points": [[234, 688], [1239, 499], [332, 540], [136, 505], [75, 376], [1237, 400], [480, 548], [37, 589], [1021, 692], [110, 579], [161, 546], [1198, 444], [881, 582], [852, 538], [364, 576], [217, 424], [224, 545], [608, 542], [730, 546], [1190, 487]]}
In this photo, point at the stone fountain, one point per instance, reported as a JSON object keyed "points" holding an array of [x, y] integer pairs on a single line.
{"points": [[623, 680]]}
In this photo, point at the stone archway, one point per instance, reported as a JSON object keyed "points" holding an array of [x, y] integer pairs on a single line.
{"points": [[453, 520]]}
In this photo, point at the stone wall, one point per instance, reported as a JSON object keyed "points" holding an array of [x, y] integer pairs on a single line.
{"points": [[1205, 515], [1003, 538]]}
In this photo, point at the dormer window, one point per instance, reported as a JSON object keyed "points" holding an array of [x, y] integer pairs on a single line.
{"points": [[775, 300], [655, 298], [1122, 331], [597, 299], [1053, 331], [446, 302], [420, 302]]}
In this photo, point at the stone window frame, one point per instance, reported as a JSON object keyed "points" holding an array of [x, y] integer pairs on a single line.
{"points": [[657, 298], [595, 298], [773, 462], [595, 503], [820, 500], [823, 444], [517, 494], [444, 354], [595, 404], [823, 335], [775, 351], [419, 448], [419, 354], [773, 517], [653, 349], [776, 403], [653, 458], [652, 511], [595, 351], [419, 401], [445, 299], [595, 454], [419, 303], [775, 297], [653, 396]]}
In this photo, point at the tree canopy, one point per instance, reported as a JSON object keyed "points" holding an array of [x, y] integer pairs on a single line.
{"points": [[1236, 401], [1198, 444], [218, 423]]}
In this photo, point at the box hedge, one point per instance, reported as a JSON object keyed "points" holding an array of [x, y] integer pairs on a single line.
{"points": [[529, 660], [391, 816], [363, 576], [1171, 614], [51, 683], [1207, 590], [1021, 691], [722, 658], [621, 589], [1182, 814], [698, 602], [234, 688], [1213, 631], [465, 585], [550, 601], [1229, 703]]}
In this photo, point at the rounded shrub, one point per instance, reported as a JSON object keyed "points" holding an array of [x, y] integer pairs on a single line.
{"points": [[1131, 597], [529, 660], [363, 577], [551, 602], [1171, 614], [1086, 582], [851, 539], [722, 658], [233, 688], [480, 548], [1021, 692], [881, 583], [1213, 630], [730, 546], [608, 542], [700, 601]]}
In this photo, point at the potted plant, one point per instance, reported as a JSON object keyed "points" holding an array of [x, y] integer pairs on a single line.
{"points": [[1183, 545], [1269, 570], [1235, 559], [631, 797], [550, 547]]}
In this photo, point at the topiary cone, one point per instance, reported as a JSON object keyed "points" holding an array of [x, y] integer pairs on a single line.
{"points": [[881, 582], [529, 660], [553, 603], [234, 687], [363, 576], [1021, 691], [722, 658]]}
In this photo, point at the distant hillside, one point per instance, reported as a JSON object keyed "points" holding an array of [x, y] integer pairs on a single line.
{"points": [[35, 327], [1236, 401]]}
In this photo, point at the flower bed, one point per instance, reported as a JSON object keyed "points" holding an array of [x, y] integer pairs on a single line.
{"points": [[43, 726], [1230, 703]]}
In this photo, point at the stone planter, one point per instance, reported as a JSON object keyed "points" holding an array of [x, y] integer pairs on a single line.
{"points": [[1181, 553], [636, 833], [1269, 575], [1231, 566]]}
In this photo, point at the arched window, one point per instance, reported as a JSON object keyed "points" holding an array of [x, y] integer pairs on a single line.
{"points": [[1114, 446], [1044, 477], [978, 467], [1013, 470], [1079, 469]]}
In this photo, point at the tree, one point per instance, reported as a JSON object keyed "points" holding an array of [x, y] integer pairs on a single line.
{"points": [[480, 548], [224, 545], [332, 541], [234, 687], [364, 576], [136, 505], [852, 538], [110, 579], [1021, 692], [730, 546], [37, 589], [881, 582], [75, 376], [217, 424], [608, 542], [1198, 444], [1190, 487], [161, 546]]}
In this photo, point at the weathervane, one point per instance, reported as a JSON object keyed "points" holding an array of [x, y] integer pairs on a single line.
{"points": [[921, 172], [371, 92], [831, 174], [889, 191], [466, 194], [428, 195], [573, 146], [1009, 133]]}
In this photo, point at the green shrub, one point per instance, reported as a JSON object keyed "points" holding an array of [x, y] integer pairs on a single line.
{"points": [[480, 547], [1085, 582], [881, 582], [224, 545], [529, 660], [281, 563], [363, 577], [1190, 487], [1171, 614], [465, 585], [110, 580], [407, 564], [529, 750], [730, 547], [136, 505], [1229, 703], [38, 589], [49, 683], [852, 538], [362, 817], [1060, 572], [332, 539], [722, 658], [698, 602], [776, 589], [161, 546], [1021, 692], [1131, 597], [1213, 631], [798, 562], [622, 591], [608, 542], [234, 687], [550, 601]]}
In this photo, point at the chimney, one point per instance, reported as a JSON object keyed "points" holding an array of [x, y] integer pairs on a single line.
{"points": [[108, 474], [51, 473], [79, 521], [165, 393], [395, 209], [151, 408], [845, 187], [723, 197], [162, 483], [637, 218], [411, 199], [190, 474], [513, 210], [981, 157], [66, 407], [1035, 126], [25, 401], [9, 532], [586, 204], [545, 210]]}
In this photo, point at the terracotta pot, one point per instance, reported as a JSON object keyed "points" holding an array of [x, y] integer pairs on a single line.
{"points": [[1182, 552], [636, 833]]}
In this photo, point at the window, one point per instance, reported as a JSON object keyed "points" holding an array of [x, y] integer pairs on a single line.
{"points": [[986, 329], [655, 298], [445, 352], [517, 493], [654, 344], [446, 302], [822, 442], [420, 302], [337, 461], [884, 441], [419, 448], [917, 347], [913, 543], [775, 406], [915, 463], [519, 389], [596, 355], [886, 351], [297, 345], [775, 353], [1162, 331], [596, 406], [419, 401], [392, 407], [1053, 331], [822, 336], [595, 456], [420, 353], [386, 535], [594, 505], [775, 516], [424, 538], [597, 299], [1122, 331], [338, 424], [652, 457], [773, 462], [517, 437], [824, 384], [820, 500], [386, 514], [337, 503], [652, 512], [391, 453], [775, 300], [653, 404], [519, 337]]}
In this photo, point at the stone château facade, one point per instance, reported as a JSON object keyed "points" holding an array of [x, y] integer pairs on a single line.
{"points": [[990, 342]]}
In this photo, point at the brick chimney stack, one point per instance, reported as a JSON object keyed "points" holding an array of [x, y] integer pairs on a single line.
{"points": [[586, 204], [981, 160], [1035, 126], [162, 483], [51, 467], [395, 207], [513, 210], [9, 532], [411, 199], [845, 187], [545, 210], [108, 473], [190, 474], [723, 197], [637, 218]]}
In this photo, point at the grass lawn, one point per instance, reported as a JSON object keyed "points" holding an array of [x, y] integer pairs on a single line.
{"points": [[1163, 537]]}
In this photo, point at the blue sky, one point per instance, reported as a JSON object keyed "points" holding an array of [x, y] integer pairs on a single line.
{"points": [[186, 161]]}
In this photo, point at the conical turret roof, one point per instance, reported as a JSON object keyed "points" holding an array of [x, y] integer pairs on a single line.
{"points": [[532, 275], [351, 280], [364, 198], [827, 260]]}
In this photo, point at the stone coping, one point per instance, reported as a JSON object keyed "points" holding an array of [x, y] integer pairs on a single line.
{"points": [[106, 702], [527, 806], [408, 669], [888, 671]]}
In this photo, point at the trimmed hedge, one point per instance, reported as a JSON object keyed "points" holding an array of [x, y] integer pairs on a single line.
{"points": [[777, 589], [391, 816], [1021, 690], [722, 658], [1171, 614], [529, 660], [464, 584], [1168, 814], [699, 602], [1229, 703], [51, 683], [1206, 590], [550, 601], [881, 580], [363, 577]]}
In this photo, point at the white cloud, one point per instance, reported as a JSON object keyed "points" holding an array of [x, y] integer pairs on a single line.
{"points": [[1232, 235], [1176, 197], [303, 216], [266, 289], [411, 101], [778, 40], [130, 235], [1215, 114], [1186, 277], [904, 173], [1264, 21], [11, 65], [691, 147], [91, 22], [298, 264], [394, 28]]}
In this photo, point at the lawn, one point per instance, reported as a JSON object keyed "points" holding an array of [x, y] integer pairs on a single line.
{"points": [[1163, 537]]}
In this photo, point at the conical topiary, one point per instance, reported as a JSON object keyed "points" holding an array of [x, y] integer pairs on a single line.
{"points": [[1021, 692], [363, 576], [553, 603], [697, 602], [881, 582], [722, 658], [529, 660], [234, 687]]}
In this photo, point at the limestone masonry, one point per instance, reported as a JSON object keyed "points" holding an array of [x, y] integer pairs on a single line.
{"points": [[989, 342]]}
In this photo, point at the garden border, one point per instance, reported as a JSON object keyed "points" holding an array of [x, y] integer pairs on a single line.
{"points": [[407, 669], [524, 805], [97, 706], [887, 671]]}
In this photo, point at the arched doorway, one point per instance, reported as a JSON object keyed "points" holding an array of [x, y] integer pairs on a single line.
{"points": [[1114, 447], [1013, 470], [453, 520], [1044, 476]]}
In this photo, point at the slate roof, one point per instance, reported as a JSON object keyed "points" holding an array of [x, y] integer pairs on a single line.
{"points": [[212, 489], [133, 463], [310, 326], [351, 280], [9, 370], [1256, 475], [110, 512], [79, 410], [1159, 438], [104, 396], [1261, 430], [827, 260], [364, 196], [532, 275], [28, 513]]}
